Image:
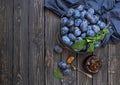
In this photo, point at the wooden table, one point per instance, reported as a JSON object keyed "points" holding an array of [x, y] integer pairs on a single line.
{"points": [[27, 37]]}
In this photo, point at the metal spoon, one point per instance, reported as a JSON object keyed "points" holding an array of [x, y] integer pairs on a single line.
{"points": [[77, 69]]}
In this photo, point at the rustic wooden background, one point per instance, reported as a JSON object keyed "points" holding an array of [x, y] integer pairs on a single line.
{"points": [[27, 37]]}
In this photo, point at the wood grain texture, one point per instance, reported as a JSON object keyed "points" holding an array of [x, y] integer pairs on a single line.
{"points": [[72, 78], [20, 56], [101, 78], [28, 34], [6, 43], [36, 42], [114, 65], [51, 58], [81, 78]]}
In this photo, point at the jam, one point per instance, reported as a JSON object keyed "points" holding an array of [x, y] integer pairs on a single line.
{"points": [[70, 59], [93, 64]]}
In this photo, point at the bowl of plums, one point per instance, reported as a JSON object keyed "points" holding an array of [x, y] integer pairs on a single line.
{"points": [[82, 29]]}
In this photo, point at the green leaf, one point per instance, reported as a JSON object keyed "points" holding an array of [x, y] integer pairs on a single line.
{"points": [[79, 45], [106, 31], [100, 37], [91, 40], [58, 74], [91, 47]]}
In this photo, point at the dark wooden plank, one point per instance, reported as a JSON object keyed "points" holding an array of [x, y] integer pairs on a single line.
{"points": [[52, 27], [27, 38], [6, 51], [69, 79], [114, 65], [51, 59], [81, 78], [20, 57], [36, 42], [101, 78]]}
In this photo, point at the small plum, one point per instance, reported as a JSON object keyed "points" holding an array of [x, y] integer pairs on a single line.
{"points": [[96, 28], [58, 49], [67, 71], [62, 65], [77, 32], [64, 20], [91, 33], [70, 23], [76, 14], [66, 39], [77, 22], [70, 12], [64, 30], [80, 7], [91, 10], [71, 36]]}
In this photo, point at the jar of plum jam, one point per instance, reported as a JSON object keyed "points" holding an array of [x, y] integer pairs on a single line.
{"points": [[93, 64]]}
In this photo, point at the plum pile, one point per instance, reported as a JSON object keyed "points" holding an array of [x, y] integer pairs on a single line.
{"points": [[63, 66], [79, 23]]}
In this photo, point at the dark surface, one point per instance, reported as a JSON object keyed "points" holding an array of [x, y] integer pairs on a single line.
{"points": [[27, 37]]}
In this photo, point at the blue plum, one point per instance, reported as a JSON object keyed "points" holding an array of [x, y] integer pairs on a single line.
{"points": [[91, 10], [83, 13], [58, 49], [83, 35], [89, 27], [91, 33], [71, 43], [72, 29], [76, 14], [96, 28], [96, 17], [76, 28], [70, 23], [89, 16], [80, 7], [77, 22], [70, 12], [62, 65], [71, 36], [64, 20], [64, 30], [93, 21], [83, 26], [67, 71], [101, 24], [77, 32], [66, 39]]}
